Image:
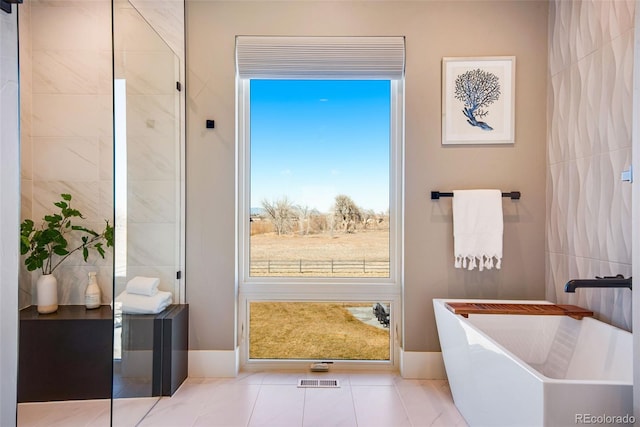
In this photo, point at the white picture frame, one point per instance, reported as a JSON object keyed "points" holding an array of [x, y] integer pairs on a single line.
{"points": [[478, 100]]}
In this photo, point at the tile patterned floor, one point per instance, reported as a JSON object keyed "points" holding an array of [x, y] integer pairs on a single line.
{"points": [[271, 399]]}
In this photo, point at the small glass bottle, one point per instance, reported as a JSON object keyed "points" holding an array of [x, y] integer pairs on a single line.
{"points": [[92, 294]]}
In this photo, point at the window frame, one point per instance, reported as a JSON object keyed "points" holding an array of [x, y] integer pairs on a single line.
{"points": [[396, 173], [320, 289], [322, 58]]}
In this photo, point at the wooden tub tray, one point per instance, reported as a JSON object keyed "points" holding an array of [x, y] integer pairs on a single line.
{"points": [[466, 308]]}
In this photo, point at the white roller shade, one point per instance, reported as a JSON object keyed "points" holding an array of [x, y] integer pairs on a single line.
{"points": [[267, 57]]}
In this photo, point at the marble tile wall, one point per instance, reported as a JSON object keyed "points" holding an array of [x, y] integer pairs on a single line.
{"points": [[66, 98], [589, 145], [67, 138], [26, 147], [167, 19], [151, 69]]}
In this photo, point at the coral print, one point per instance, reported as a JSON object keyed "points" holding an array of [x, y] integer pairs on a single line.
{"points": [[477, 89]]}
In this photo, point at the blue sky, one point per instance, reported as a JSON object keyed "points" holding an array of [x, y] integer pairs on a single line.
{"points": [[313, 140]]}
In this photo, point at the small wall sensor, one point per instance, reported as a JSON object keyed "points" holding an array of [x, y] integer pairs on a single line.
{"points": [[210, 124]]}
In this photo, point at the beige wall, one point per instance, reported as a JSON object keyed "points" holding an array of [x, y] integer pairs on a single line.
{"points": [[590, 124], [433, 29]]}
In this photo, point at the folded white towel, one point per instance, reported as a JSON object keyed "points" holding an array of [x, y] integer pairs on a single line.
{"points": [[140, 285], [141, 304], [477, 228]]}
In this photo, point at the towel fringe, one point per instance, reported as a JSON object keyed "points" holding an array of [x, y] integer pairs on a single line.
{"points": [[484, 261]]}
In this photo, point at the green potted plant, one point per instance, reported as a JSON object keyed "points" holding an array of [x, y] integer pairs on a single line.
{"points": [[46, 247]]}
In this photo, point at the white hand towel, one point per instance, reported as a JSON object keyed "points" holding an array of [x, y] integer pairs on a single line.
{"points": [[141, 304], [477, 228], [143, 286]]}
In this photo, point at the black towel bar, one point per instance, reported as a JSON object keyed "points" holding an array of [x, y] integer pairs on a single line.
{"points": [[435, 195]]}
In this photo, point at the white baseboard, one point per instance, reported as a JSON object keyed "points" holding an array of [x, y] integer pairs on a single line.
{"points": [[214, 363], [225, 364], [422, 365]]}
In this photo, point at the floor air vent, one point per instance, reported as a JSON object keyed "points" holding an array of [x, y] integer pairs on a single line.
{"points": [[314, 383]]}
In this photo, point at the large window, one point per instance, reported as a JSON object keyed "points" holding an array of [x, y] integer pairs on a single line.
{"points": [[319, 186], [319, 195]]}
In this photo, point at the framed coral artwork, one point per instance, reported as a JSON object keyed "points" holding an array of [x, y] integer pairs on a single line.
{"points": [[478, 100]]}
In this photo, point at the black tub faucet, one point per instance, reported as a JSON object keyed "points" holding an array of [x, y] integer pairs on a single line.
{"points": [[617, 281]]}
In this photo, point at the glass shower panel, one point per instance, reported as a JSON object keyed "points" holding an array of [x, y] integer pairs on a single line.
{"points": [[66, 124], [147, 181]]}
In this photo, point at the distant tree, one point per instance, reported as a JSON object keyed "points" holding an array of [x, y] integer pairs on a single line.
{"points": [[304, 222], [346, 213], [330, 219], [369, 218], [318, 222], [281, 213], [477, 89]]}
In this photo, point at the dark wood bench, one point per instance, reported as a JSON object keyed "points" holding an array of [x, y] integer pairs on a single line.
{"points": [[65, 355], [68, 355], [156, 348]]}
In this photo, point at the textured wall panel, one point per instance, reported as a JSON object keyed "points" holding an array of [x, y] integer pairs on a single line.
{"points": [[589, 145]]}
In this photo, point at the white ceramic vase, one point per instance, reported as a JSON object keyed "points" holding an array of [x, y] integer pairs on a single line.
{"points": [[47, 288]]}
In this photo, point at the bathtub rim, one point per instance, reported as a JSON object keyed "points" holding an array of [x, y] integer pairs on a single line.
{"points": [[543, 378]]}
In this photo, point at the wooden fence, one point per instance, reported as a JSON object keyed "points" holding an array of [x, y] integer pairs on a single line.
{"points": [[379, 268]]}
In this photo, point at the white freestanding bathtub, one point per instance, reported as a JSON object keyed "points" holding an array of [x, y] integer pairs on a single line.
{"points": [[536, 370]]}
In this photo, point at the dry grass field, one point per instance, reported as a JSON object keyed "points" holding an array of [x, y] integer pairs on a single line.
{"points": [[318, 331], [373, 244], [368, 246]]}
